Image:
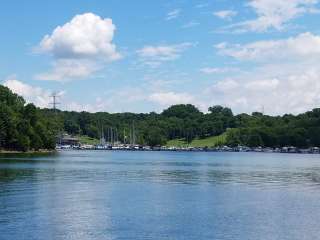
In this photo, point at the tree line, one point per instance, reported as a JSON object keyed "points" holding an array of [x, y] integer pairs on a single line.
{"points": [[187, 122], [25, 127]]}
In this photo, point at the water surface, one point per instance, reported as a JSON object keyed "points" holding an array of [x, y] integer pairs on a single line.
{"points": [[160, 195]]}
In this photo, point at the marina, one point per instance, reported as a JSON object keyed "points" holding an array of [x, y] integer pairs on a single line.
{"points": [[128, 147]]}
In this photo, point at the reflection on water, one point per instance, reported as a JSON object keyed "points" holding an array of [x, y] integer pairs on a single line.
{"points": [[71, 166], [159, 195]]}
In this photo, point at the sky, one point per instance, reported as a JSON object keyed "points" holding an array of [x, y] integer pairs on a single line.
{"points": [[144, 56]]}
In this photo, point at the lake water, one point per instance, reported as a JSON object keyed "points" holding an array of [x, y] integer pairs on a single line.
{"points": [[160, 195]]}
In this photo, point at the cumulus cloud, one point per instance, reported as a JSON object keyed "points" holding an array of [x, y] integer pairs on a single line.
{"points": [[31, 94], [132, 99], [136, 99], [86, 35], [155, 55], [225, 85], [43, 98], [225, 14], [170, 98], [305, 45], [283, 76], [68, 69], [274, 14], [173, 14], [78, 46], [294, 93]]}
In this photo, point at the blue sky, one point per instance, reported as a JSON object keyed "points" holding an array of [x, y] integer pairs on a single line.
{"points": [[144, 56]]}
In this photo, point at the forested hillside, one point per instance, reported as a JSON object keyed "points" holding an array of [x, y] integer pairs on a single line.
{"points": [[25, 127], [188, 123], [22, 126]]}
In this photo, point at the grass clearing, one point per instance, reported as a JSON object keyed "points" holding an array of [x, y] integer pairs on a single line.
{"points": [[89, 140], [205, 142]]}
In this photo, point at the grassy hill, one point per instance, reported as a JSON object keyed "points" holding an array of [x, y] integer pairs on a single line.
{"points": [[88, 140], [206, 142]]}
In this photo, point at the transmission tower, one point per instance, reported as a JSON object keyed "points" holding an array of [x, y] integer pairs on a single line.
{"points": [[54, 102]]}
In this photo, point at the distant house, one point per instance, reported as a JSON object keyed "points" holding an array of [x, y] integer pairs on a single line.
{"points": [[66, 139]]}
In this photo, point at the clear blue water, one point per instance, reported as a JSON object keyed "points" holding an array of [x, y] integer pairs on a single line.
{"points": [[160, 195]]}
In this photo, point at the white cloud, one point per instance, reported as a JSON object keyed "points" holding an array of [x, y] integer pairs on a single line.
{"points": [[31, 94], [293, 93], [78, 107], [78, 46], [226, 85], [155, 55], [191, 24], [210, 70], [43, 98], [221, 45], [283, 76], [131, 99], [134, 99], [225, 14], [305, 45], [98, 105], [173, 14], [166, 99], [262, 85], [68, 69], [274, 14], [86, 35]]}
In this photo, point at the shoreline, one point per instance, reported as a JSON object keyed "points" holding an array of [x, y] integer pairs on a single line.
{"points": [[44, 151], [189, 151]]}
